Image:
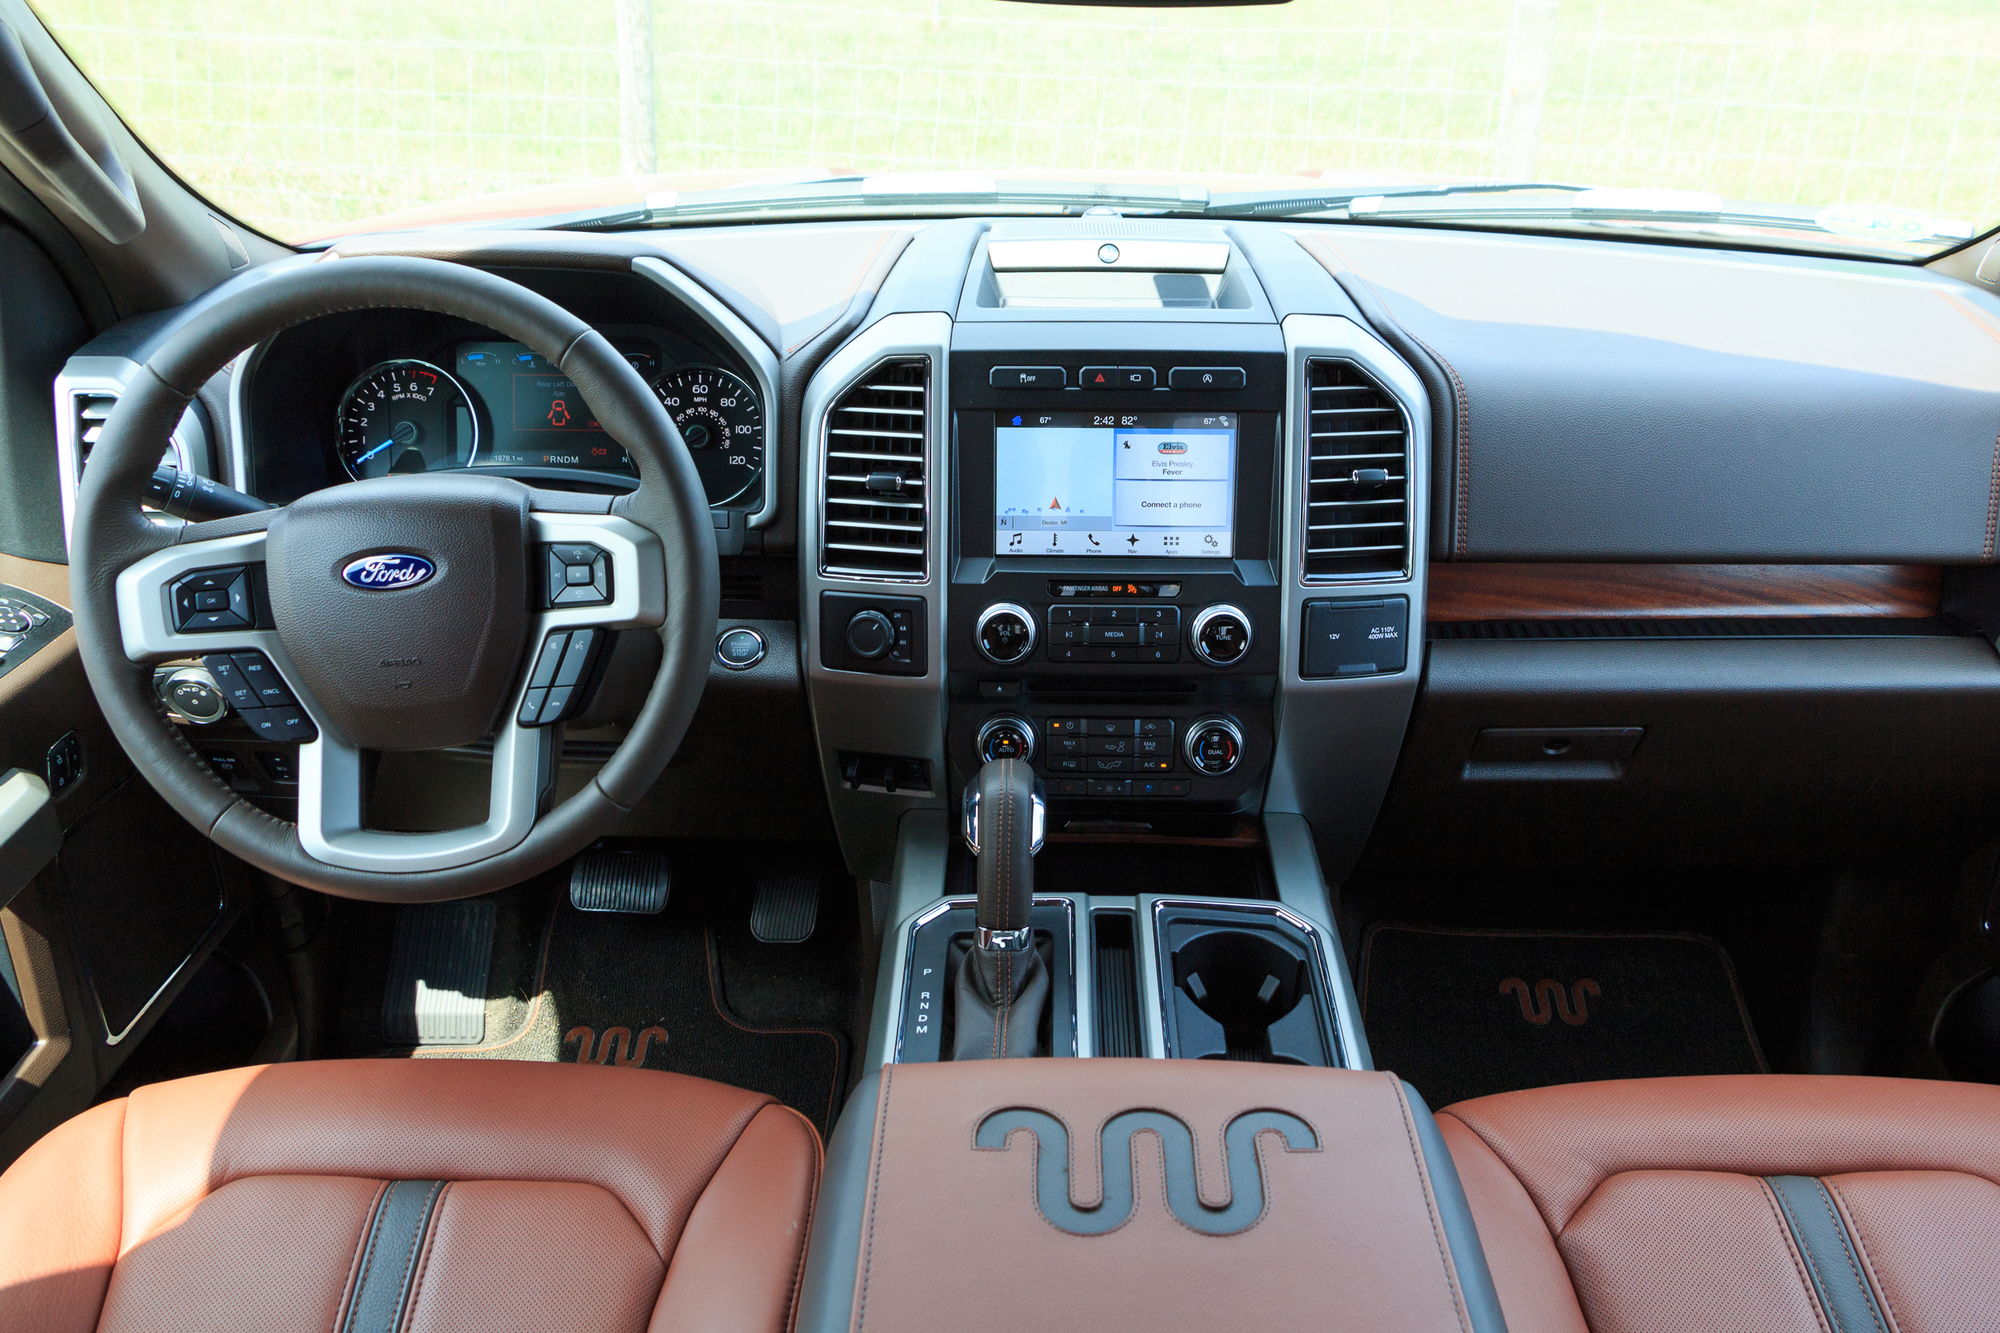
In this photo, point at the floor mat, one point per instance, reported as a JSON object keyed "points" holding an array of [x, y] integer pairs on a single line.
{"points": [[647, 990], [1463, 1013]]}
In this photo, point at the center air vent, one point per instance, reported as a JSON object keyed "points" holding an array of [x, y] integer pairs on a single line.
{"points": [[1357, 511], [872, 522]]}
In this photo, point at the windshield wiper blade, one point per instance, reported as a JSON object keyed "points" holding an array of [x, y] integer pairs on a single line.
{"points": [[863, 196], [1305, 202]]}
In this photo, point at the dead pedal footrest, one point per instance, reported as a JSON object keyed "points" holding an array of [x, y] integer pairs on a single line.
{"points": [[436, 991]]}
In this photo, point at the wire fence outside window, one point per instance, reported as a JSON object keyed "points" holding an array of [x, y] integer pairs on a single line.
{"points": [[304, 120]]}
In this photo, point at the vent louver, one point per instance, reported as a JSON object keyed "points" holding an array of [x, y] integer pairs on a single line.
{"points": [[1357, 511], [92, 411], [872, 518]]}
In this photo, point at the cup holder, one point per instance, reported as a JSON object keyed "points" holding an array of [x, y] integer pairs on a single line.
{"points": [[1243, 992]]}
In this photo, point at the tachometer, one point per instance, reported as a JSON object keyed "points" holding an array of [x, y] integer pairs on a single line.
{"points": [[723, 423], [406, 416]]}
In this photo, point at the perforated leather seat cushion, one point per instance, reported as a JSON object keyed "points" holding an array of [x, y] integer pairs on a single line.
{"points": [[363, 1195], [1695, 1204]]}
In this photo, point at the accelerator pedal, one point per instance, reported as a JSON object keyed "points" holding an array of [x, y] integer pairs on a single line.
{"points": [[438, 960], [786, 907], [620, 880]]}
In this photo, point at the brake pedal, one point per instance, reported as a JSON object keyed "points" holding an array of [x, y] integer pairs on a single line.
{"points": [[633, 882], [438, 961], [786, 908]]}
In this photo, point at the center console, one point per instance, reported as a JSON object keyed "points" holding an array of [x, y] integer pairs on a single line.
{"points": [[1112, 607]]}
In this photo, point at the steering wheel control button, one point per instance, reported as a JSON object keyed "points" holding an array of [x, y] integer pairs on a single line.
{"points": [[1027, 377], [1355, 638], [1006, 738], [1214, 746], [870, 634], [209, 600], [739, 648], [1221, 634], [578, 574], [1207, 379], [560, 676], [239, 693], [1005, 634], [261, 676]]}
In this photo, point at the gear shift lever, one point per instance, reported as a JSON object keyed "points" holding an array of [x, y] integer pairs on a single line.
{"points": [[1003, 987]]}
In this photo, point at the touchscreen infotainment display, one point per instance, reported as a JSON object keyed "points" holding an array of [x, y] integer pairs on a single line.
{"points": [[1115, 483]]}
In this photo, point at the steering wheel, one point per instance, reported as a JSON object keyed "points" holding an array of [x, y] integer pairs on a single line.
{"points": [[411, 612]]}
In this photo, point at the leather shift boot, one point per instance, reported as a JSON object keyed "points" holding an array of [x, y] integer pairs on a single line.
{"points": [[998, 1005]]}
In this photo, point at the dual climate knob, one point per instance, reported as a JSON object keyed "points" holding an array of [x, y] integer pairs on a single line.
{"points": [[1005, 634]]}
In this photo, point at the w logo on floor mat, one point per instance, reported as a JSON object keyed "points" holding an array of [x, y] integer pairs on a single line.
{"points": [[1245, 1177], [614, 1046], [1549, 998]]}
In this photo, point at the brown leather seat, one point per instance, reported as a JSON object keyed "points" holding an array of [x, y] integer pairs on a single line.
{"points": [[402, 1195], [1765, 1204]]}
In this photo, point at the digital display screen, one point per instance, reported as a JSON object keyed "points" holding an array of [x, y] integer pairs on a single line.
{"points": [[534, 415], [1115, 483]]}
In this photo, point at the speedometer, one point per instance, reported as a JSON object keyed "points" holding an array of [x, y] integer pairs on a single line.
{"points": [[723, 423], [406, 416]]}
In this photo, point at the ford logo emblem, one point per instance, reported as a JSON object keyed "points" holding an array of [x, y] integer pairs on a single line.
{"points": [[393, 569]]}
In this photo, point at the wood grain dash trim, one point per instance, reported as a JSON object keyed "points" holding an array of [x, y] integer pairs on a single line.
{"points": [[1493, 591]]}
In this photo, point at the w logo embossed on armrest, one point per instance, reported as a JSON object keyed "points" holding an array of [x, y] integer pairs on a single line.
{"points": [[1051, 1146]]}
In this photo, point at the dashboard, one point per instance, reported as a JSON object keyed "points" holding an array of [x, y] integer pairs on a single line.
{"points": [[1583, 543]]}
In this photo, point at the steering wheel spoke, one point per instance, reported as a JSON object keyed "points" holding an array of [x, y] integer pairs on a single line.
{"points": [[194, 598]]}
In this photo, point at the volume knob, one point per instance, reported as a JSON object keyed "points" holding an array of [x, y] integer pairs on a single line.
{"points": [[1005, 633]]}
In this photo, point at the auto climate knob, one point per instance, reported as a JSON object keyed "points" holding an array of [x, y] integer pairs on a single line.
{"points": [[1005, 633], [1006, 738], [1214, 746], [1220, 634]]}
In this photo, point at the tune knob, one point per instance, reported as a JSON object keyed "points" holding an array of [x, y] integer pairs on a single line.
{"points": [[1006, 738], [1221, 634], [1005, 633], [1214, 746], [870, 635]]}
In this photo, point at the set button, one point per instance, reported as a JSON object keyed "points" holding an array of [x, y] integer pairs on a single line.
{"points": [[253, 687]]}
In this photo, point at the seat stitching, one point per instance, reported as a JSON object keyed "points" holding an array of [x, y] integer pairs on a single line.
{"points": [[1430, 1204], [341, 1311], [1853, 1228], [1840, 1230], [426, 1246], [368, 1257], [1800, 1260], [812, 1211], [874, 1195]]}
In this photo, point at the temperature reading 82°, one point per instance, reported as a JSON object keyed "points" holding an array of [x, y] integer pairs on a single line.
{"points": [[723, 423]]}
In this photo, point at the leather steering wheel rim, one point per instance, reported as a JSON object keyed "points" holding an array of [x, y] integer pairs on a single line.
{"points": [[111, 536]]}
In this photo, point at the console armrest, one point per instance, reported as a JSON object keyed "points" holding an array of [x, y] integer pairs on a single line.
{"points": [[1141, 1194]]}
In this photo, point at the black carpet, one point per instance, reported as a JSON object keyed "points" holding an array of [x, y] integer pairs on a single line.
{"points": [[654, 991], [1463, 1013]]}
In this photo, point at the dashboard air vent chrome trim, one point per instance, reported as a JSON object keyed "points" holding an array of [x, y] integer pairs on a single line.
{"points": [[86, 393], [876, 451], [1357, 481]]}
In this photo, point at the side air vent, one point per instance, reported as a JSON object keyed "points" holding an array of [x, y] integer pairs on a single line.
{"points": [[1357, 511], [872, 517], [92, 410]]}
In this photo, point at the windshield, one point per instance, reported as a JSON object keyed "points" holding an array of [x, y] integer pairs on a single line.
{"points": [[1842, 125]]}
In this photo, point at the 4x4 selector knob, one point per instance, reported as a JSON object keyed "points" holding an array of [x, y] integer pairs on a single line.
{"points": [[1006, 738], [1005, 633], [1214, 746], [870, 635], [1220, 634]]}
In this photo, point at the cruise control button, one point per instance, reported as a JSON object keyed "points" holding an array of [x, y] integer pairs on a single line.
{"points": [[240, 693]]}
